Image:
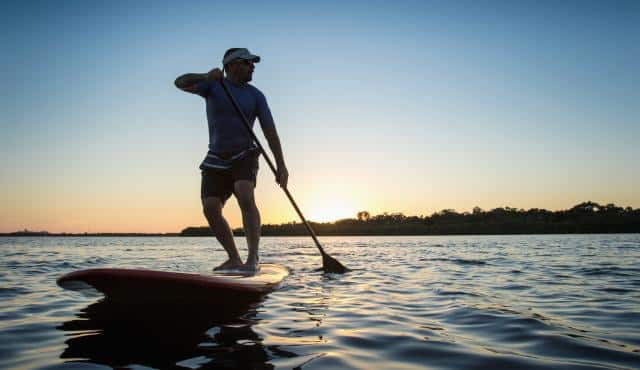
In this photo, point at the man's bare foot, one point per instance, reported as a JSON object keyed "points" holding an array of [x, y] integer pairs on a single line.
{"points": [[230, 264], [251, 266]]}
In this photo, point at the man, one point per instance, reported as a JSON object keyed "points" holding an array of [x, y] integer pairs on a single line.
{"points": [[231, 164]]}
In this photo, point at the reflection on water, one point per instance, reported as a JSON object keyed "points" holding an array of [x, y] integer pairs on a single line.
{"points": [[480, 302], [162, 336]]}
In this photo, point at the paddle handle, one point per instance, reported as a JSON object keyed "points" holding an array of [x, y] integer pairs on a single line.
{"points": [[245, 121]]}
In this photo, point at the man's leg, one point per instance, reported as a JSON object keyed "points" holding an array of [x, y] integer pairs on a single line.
{"points": [[212, 207], [243, 190]]}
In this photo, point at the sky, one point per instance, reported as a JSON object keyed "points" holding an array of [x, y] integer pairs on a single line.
{"points": [[407, 106]]}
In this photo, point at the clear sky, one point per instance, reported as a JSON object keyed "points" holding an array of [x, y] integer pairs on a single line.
{"points": [[407, 106]]}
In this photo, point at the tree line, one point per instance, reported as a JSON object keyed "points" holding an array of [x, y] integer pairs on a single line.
{"points": [[586, 217]]}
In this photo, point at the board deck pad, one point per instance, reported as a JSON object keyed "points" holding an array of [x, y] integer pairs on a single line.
{"points": [[152, 285]]}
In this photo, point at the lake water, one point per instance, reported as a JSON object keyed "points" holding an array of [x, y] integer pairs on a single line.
{"points": [[450, 302]]}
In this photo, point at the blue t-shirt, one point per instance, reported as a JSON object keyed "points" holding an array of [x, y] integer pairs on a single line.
{"points": [[227, 134]]}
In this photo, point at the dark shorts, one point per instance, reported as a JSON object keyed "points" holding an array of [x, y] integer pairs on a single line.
{"points": [[219, 183]]}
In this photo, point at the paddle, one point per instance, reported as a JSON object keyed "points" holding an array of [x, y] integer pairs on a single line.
{"points": [[329, 264]]}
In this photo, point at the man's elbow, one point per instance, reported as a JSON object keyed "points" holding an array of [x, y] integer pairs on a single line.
{"points": [[270, 132], [181, 86], [178, 83], [183, 81]]}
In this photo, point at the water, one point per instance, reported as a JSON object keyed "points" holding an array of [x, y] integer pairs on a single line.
{"points": [[451, 302]]}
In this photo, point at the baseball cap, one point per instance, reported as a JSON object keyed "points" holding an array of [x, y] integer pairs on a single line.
{"points": [[240, 53]]}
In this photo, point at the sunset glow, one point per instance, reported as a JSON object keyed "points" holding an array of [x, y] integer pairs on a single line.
{"points": [[328, 210], [411, 109]]}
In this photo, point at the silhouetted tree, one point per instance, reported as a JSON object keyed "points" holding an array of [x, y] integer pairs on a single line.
{"points": [[586, 217], [363, 216]]}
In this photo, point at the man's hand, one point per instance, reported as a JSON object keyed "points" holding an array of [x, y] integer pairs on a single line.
{"points": [[282, 176], [214, 75]]}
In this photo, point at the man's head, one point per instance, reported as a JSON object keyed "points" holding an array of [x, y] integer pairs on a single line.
{"points": [[239, 64]]}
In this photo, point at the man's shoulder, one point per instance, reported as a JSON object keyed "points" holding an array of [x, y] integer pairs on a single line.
{"points": [[254, 90], [255, 93]]}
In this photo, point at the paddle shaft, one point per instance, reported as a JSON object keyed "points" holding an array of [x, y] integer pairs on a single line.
{"points": [[273, 168]]}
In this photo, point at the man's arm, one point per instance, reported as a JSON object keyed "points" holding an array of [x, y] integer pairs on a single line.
{"points": [[274, 144], [189, 82]]}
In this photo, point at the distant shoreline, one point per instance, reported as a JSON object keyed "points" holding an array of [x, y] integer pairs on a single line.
{"points": [[174, 235], [584, 218], [75, 235], [236, 234]]}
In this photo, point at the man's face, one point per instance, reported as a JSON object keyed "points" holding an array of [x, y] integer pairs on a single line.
{"points": [[243, 69]]}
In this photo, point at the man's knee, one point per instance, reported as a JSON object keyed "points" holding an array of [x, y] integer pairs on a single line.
{"points": [[243, 191], [212, 207]]}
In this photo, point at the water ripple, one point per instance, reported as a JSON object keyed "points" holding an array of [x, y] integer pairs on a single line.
{"points": [[462, 302]]}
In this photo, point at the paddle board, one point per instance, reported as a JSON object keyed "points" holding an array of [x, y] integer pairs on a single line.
{"points": [[151, 285]]}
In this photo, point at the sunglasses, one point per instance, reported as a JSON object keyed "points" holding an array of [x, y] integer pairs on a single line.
{"points": [[244, 61]]}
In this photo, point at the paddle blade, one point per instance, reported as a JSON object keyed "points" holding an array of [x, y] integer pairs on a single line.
{"points": [[330, 264]]}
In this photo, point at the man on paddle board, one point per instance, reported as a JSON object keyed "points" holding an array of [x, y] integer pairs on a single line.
{"points": [[231, 164]]}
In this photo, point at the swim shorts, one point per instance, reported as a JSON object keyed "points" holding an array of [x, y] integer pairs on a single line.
{"points": [[219, 182]]}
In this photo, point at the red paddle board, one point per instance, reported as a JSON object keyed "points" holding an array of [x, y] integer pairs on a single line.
{"points": [[150, 285]]}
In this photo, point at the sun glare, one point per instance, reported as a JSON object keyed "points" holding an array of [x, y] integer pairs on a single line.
{"points": [[330, 211]]}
